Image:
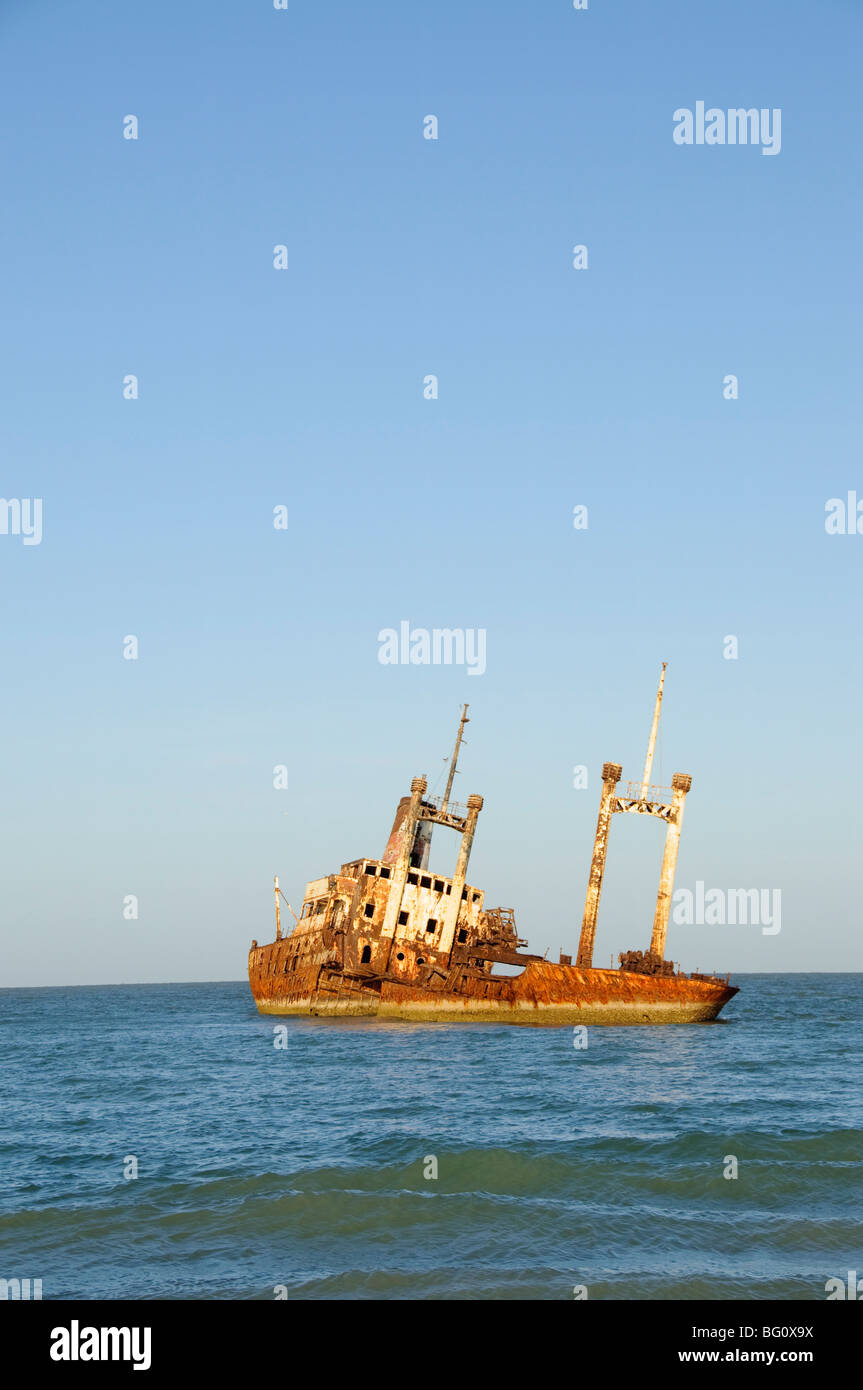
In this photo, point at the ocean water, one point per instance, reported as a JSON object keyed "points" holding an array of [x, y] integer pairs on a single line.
{"points": [[309, 1166]]}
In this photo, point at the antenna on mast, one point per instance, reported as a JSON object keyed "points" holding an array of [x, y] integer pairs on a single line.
{"points": [[645, 781], [452, 766]]}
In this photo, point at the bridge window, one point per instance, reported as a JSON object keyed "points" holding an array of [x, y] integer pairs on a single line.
{"points": [[404, 918], [438, 885], [431, 924], [425, 882], [413, 878], [370, 869], [385, 873], [369, 909]]}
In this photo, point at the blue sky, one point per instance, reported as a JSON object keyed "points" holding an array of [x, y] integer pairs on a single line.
{"points": [[304, 387]]}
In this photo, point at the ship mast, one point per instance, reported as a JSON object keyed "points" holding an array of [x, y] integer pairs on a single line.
{"points": [[651, 745], [452, 766]]}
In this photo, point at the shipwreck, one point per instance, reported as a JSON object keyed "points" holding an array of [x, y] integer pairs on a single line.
{"points": [[391, 938]]}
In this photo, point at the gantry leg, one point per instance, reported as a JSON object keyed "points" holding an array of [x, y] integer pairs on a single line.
{"points": [[610, 778], [474, 806], [400, 872], [681, 783]]}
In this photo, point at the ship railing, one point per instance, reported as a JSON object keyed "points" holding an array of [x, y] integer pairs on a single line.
{"points": [[454, 808], [631, 791]]}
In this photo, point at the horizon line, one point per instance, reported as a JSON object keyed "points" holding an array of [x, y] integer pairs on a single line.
{"points": [[242, 979]]}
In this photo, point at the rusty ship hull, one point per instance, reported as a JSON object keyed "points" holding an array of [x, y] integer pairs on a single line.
{"points": [[389, 938], [544, 994]]}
